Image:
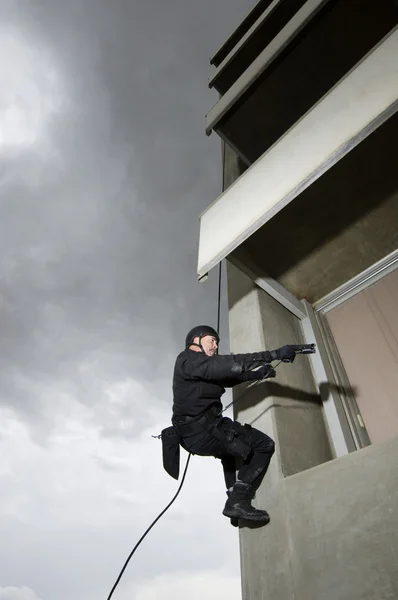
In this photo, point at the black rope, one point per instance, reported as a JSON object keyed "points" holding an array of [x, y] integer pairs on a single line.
{"points": [[257, 382], [148, 530], [219, 298], [186, 466]]}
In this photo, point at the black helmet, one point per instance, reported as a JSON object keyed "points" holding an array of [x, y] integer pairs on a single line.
{"points": [[200, 331]]}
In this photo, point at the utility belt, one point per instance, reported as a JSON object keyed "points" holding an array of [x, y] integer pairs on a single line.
{"points": [[209, 422], [189, 426]]}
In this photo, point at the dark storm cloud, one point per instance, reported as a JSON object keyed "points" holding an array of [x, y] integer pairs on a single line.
{"points": [[101, 250], [104, 170]]}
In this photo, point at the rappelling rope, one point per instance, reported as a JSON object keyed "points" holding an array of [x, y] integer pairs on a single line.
{"points": [[248, 387], [254, 383], [149, 529], [185, 470]]}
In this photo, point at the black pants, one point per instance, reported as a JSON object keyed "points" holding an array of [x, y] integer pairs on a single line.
{"points": [[253, 465]]}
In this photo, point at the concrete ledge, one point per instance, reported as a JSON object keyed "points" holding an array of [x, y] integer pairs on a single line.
{"points": [[244, 40], [262, 62]]}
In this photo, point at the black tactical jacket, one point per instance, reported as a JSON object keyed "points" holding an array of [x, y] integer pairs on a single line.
{"points": [[200, 380]]}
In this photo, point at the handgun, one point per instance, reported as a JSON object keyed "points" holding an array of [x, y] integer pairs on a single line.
{"points": [[304, 349]]}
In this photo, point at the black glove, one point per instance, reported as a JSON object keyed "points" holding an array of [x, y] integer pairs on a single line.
{"points": [[285, 354], [265, 372]]}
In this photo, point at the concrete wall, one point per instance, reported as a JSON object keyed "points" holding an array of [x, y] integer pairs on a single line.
{"points": [[343, 527], [233, 166], [288, 408], [333, 533]]}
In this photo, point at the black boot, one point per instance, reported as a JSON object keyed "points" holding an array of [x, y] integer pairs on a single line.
{"points": [[234, 521], [238, 505]]}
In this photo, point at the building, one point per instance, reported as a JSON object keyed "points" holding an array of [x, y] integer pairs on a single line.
{"points": [[308, 225]]}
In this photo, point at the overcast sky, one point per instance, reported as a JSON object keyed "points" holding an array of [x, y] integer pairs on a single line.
{"points": [[104, 170]]}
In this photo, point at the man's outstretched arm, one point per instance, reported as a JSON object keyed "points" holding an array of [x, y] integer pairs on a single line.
{"points": [[236, 367]]}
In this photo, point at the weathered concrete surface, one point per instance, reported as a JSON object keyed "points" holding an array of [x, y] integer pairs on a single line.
{"points": [[342, 519], [256, 407], [290, 405], [233, 166], [333, 533], [299, 419], [334, 526]]}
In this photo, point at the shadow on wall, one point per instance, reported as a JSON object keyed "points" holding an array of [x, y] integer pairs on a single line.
{"points": [[248, 398]]}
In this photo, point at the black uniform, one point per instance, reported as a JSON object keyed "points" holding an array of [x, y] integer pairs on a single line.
{"points": [[198, 384]]}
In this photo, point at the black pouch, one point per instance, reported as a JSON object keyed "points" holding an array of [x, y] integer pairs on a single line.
{"points": [[238, 447], [171, 451], [235, 441]]}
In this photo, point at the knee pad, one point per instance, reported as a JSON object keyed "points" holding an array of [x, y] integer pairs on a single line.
{"points": [[266, 446]]}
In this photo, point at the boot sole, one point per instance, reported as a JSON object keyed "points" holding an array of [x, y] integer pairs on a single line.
{"points": [[246, 517]]}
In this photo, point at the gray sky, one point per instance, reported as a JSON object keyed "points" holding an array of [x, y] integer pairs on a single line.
{"points": [[104, 169]]}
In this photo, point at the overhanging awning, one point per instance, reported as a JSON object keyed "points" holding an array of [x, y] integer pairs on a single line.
{"points": [[355, 107]]}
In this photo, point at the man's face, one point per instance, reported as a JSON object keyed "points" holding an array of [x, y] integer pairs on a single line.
{"points": [[210, 345]]}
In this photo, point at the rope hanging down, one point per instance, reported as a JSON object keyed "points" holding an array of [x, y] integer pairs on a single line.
{"points": [[184, 474], [301, 349], [149, 529], [219, 299]]}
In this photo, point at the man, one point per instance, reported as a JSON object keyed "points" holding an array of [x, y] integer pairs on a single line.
{"points": [[200, 378]]}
